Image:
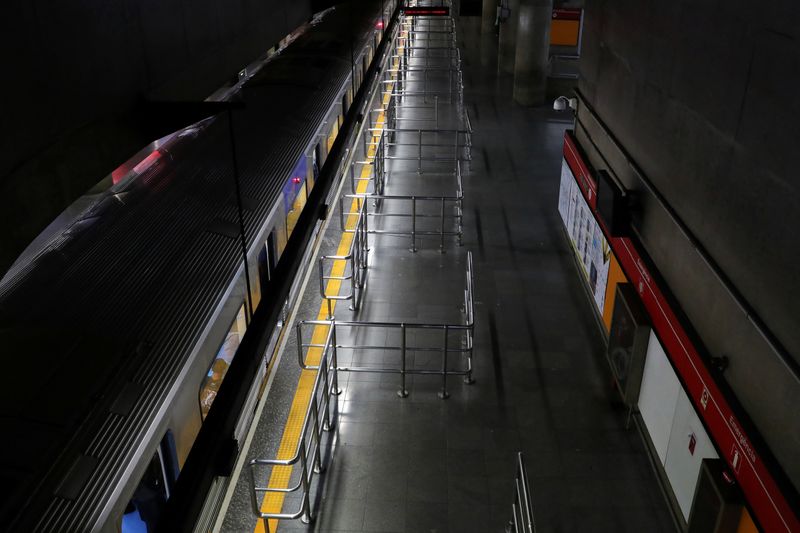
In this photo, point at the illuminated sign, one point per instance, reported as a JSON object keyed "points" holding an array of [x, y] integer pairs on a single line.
{"points": [[426, 11]]}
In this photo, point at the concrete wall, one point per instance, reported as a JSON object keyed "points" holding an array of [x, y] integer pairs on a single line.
{"points": [[702, 98], [73, 72]]}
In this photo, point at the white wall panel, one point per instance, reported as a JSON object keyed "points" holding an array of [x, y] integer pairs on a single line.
{"points": [[658, 396], [681, 465]]}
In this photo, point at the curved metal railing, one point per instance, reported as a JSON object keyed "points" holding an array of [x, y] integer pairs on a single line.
{"points": [[320, 417], [351, 267]]}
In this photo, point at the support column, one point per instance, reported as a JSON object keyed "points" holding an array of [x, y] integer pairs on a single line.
{"points": [[488, 16], [530, 63], [507, 47]]}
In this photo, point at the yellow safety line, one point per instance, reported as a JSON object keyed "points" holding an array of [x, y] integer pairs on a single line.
{"points": [[280, 476]]}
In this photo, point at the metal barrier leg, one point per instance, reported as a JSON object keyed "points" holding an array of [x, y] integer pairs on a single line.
{"points": [[336, 391], [317, 465], [443, 394], [468, 379], [441, 230], [413, 224], [419, 154], [403, 392], [460, 215], [326, 419]]}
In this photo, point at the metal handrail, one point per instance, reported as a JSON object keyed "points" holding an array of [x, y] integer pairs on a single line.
{"points": [[356, 259], [414, 215], [399, 92], [320, 416], [321, 412], [466, 330], [521, 510]]}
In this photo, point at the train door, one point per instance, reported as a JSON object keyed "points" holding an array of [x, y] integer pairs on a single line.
{"points": [[154, 489]]}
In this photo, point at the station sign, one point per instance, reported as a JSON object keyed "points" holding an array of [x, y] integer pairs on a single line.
{"points": [[426, 11]]}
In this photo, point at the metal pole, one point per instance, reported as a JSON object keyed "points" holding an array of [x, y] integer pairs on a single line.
{"points": [[299, 331], [436, 110], [326, 425], [455, 151], [402, 392], [450, 83], [342, 225], [419, 152], [316, 435], [306, 518], [336, 390], [443, 394], [413, 223], [441, 230]]}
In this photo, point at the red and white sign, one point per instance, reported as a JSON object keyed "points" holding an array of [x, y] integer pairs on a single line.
{"points": [[768, 503], [581, 171]]}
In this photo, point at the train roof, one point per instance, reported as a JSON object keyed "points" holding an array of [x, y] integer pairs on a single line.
{"points": [[97, 328]]}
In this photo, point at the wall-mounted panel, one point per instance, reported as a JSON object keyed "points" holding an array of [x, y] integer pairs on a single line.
{"points": [[688, 445], [658, 396]]}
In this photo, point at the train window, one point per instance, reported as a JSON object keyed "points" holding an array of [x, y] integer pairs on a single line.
{"points": [[219, 366], [333, 134], [255, 285], [281, 235], [294, 193], [345, 103], [147, 503], [317, 161], [297, 208], [311, 175]]}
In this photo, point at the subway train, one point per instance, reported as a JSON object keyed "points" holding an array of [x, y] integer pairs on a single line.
{"points": [[119, 330]]}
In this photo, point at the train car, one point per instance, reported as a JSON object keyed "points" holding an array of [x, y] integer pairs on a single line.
{"points": [[119, 330]]}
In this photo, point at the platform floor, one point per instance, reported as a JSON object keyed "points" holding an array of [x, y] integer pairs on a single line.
{"points": [[421, 464]]}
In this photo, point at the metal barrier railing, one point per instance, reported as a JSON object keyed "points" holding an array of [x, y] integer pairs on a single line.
{"points": [[460, 151], [398, 94], [321, 413], [465, 332], [320, 417], [521, 510], [354, 264], [451, 55], [425, 84], [455, 214]]}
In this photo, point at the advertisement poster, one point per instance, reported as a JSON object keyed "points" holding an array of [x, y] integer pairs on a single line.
{"points": [[588, 241]]}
